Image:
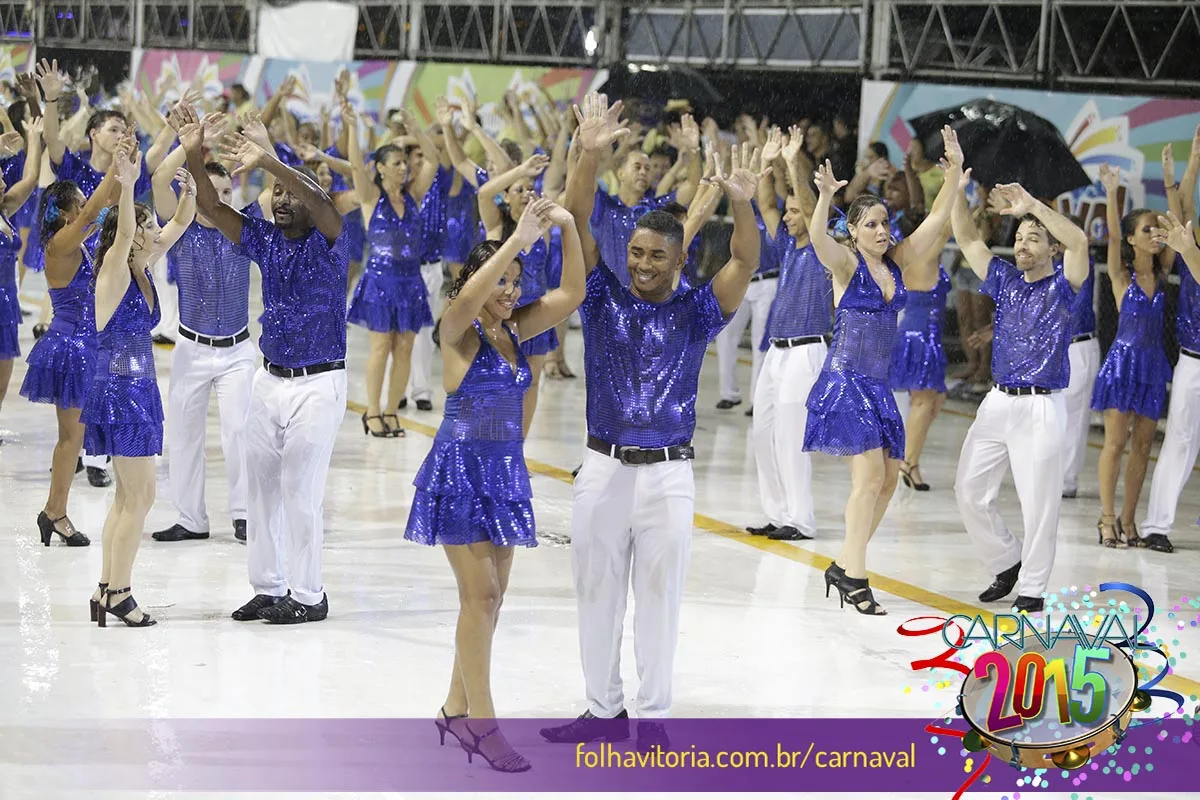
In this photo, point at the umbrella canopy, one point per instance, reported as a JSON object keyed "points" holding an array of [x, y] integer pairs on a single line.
{"points": [[1002, 143]]}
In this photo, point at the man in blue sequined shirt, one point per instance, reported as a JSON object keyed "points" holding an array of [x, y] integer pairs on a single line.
{"points": [[299, 396], [635, 493]]}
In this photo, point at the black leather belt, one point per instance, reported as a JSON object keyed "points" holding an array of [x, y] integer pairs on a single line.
{"points": [[1018, 391], [300, 372], [639, 456], [1083, 337], [1191, 353], [211, 341], [774, 273], [797, 341]]}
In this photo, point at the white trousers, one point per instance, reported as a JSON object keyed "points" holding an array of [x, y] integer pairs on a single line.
{"points": [[197, 371], [780, 417], [1181, 444], [290, 435], [1085, 363], [168, 301], [753, 310], [1026, 432], [420, 381], [630, 519]]}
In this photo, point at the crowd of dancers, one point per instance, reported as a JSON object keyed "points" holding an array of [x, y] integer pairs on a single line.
{"points": [[594, 216]]}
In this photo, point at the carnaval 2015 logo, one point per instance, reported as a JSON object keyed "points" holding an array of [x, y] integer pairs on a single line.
{"points": [[1050, 696]]}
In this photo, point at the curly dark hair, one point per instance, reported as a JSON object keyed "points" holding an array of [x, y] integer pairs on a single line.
{"points": [[478, 256], [57, 198], [108, 232]]}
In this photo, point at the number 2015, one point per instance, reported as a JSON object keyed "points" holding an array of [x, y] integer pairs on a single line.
{"points": [[1032, 677]]}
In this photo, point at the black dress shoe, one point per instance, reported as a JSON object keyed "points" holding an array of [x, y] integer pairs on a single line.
{"points": [[750, 411], [160, 339], [292, 612], [651, 735], [787, 534], [590, 728], [725, 405], [250, 611], [99, 477], [424, 405], [1029, 605], [762, 530], [1003, 585], [403, 403], [178, 533], [239, 530]]}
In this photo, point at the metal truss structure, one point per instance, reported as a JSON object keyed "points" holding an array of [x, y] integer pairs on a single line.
{"points": [[1147, 44]]}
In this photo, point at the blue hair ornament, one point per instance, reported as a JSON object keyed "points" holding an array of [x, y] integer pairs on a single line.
{"points": [[52, 211], [103, 215], [840, 227]]}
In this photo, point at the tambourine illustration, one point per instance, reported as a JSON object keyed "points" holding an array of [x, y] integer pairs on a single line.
{"points": [[1050, 708]]}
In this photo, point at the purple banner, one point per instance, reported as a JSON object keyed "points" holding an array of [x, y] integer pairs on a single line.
{"points": [[704, 755]]}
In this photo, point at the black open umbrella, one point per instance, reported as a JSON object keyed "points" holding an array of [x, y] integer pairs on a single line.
{"points": [[1002, 143]]}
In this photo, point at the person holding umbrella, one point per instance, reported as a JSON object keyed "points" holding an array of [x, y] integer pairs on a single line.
{"points": [[1023, 419]]}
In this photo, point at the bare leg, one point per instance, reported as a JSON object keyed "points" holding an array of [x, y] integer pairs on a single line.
{"points": [[891, 474], [1116, 430], [476, 569], [381, 348], [6, 371], [402, 347], [925, 407], [1135, 468], [136, 483], [868, 473], [456, 698], [531, 394], [66, 455]]}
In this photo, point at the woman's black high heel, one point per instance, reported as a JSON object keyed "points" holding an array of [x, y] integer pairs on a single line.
{"points": [[443, 725], [123, 610], [48, 527], [393, 429], [858, 592], [512, 761], [383, 434], [95, 604], [833, 574], [906, 471]]}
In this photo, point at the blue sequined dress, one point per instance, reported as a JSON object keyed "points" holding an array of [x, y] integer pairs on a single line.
{"points": [[1136, 371], [919, 357], [473, 485], [10, 300], [539, 264], [391, 295], [62, 362], [13, 169], [124, 413], [461, 232], [851, 409]]}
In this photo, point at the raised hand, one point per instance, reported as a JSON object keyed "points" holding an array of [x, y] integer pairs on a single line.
{"points": [[954, 154], [1177, 236], [187, 184], [744, 174], [689, 132], [34, 127], [28, 87], [773, 147], [236, 147], [214, 126], [559, 215], [191, 134], [1011, 200], [254, 129], [11, 143], [827, 185], [535, 165], [129, 170], [534, 222], [710, 164], [470, 113], [599, 125], [794, 145], [307, 151], [441, 109], [1168, 164], [51, 79], [1110, 178]]}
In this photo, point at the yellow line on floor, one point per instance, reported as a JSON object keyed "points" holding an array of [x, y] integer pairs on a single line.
{"points": [[947, 605]]}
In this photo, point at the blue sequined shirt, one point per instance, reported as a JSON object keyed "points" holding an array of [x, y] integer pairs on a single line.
{"points": [[613, 223], [803, 304], [1032, 328], [1188, 321], [304, 294], [642, 361], [213, 277], [1083, 314]]}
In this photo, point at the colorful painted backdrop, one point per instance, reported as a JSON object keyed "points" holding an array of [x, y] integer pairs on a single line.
{"points": [[172, 72], [14, 58], [1127, 132]]}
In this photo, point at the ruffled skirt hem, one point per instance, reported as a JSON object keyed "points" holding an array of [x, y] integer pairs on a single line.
{"points": [[850, 414], [466, 519]]}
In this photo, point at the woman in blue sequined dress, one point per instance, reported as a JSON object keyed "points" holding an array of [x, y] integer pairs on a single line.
{"points": [[851, 409], [62, 361], [473, 493], [124, 413], [1131, 387], [12, 200], [919, 367], [514, 189], [390, 300]]}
